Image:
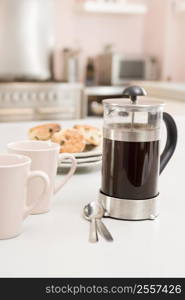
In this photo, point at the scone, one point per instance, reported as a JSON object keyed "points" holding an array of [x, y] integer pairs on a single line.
{"points": [[43, 132], [92, 134], [70, 140]]}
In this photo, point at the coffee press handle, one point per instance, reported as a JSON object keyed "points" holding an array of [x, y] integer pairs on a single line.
{"points": [[171, 141]]}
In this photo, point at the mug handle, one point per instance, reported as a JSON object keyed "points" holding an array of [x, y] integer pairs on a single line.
{"points": [[62, 157], [45, 178]]}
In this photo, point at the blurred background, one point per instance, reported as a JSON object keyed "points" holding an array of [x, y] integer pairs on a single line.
{"points": [[60, 58]]}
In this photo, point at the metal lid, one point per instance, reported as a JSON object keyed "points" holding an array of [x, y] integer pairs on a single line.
{"points": [[136, 101], [147, 103]]}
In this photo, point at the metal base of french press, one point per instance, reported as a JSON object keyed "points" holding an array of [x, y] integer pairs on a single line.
{"points": [[125, 209]]}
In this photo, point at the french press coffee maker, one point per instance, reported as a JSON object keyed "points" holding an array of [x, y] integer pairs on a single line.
{"points": [[131, 155]]}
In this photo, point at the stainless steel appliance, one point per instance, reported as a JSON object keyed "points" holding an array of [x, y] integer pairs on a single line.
{"points": [[118, 69], [96, 94], [131, 155], [26, 39], [21, 101]]}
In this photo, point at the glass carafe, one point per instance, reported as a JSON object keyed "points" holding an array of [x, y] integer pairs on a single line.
{"points": [[131, 149]]}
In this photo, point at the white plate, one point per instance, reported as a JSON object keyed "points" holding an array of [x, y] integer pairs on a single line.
{"points": [[94, 152], [82, 165], [83, 160]]}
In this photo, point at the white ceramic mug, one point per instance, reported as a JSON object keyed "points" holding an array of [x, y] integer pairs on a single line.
{"points": [[15, 177], [45, 156]]}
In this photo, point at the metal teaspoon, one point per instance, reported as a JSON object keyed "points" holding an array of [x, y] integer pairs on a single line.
{"points": [[88, 215], [95, 211]]}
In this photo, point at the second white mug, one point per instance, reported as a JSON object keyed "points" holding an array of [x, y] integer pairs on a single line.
{"points": [[15, 178], [45, 157]]}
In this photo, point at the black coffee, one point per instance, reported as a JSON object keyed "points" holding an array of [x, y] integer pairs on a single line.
{"points": [[130, 169]]}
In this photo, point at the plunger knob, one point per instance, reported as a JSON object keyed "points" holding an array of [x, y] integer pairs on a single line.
{"points": [[133, 92]]}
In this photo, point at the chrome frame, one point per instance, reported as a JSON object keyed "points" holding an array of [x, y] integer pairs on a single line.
{"points": [[129, 136], [127, 209]]}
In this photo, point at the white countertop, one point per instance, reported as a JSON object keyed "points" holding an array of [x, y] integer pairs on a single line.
{"points": [[56, 244], [164, 90], [104, 90], [168, 85]]}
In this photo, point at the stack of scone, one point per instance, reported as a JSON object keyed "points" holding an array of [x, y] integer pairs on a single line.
{"points": [[81, 140], [73, 140]]}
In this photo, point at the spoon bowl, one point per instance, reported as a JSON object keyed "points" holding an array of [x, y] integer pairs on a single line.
{"points": [[93, 210]]}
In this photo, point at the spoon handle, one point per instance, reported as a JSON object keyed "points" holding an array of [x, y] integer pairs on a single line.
{"points": [[104, 231], [93, 236]]}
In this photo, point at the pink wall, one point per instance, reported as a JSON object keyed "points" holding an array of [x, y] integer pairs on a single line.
{"points": [[179, 54], [91, 32], [174, 65], [154, 31], [161, 33], [164, 35]]}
